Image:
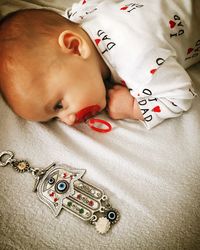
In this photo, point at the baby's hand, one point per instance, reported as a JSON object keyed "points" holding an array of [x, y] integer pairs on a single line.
{"points": [[122, 105]]}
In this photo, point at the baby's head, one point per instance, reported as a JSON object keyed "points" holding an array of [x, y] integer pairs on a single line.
{"points": [[50, 68]]}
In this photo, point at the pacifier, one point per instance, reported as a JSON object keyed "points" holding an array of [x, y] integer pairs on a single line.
{"points": [[84, 115]]}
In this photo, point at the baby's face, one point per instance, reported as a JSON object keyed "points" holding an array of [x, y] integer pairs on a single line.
{"points": [[71, 92]]}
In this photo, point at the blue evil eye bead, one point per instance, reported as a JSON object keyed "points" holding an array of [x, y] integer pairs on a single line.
{"points": [[112, 215], [62, 187], [51, 181]]}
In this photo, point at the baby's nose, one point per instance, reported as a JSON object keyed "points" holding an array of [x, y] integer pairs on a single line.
{"points": [[68, 119]]}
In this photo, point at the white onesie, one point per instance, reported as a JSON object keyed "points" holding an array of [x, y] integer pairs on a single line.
{"points": [[147, 45]]}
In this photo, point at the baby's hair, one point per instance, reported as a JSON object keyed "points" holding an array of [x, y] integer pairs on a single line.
{"points": [[31, 21], [24, 31]]}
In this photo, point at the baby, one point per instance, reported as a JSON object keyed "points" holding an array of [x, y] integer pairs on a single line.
{"points": [[60, 67]]}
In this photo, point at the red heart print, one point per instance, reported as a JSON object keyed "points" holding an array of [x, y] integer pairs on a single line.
{"points": [[189, 50], [156, 109], [172, 24], [84, 1], [97, 41], [123, 83], [124, 8], [153, 71]]}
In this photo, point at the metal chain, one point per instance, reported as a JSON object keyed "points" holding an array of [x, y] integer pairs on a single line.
{"points": [[9, 158]]}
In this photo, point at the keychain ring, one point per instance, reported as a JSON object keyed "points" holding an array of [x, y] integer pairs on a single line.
{"points": [[8, 154], [94, 121]]}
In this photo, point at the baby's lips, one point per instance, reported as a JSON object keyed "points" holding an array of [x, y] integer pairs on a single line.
{"points": [[87, 112]]}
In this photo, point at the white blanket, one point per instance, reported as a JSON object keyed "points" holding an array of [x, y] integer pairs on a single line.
{"points": [[151, 177]]}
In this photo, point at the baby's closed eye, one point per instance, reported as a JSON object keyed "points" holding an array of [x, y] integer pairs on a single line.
{"points": [[58, 105]]}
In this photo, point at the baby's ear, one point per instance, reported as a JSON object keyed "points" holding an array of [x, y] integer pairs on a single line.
{"points": [[71, 42]]}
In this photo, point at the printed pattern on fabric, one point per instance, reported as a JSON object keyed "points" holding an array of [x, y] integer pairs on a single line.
{"points": [[148, 46]]}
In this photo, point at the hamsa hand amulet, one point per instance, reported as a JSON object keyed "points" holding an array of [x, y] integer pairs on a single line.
{"points": [[61, 187]]}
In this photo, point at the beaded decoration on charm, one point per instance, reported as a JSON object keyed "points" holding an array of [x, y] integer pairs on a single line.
{"points": [[61, 187]]}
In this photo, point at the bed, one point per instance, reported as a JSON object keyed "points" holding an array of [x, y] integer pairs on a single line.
{"points": [[152, 177]]}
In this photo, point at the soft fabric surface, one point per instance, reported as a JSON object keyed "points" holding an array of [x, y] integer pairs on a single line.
{"points": [[151, 177]]}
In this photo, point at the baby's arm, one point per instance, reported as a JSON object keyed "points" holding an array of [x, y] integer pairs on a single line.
{"points": [[167, 95], [122, 105]]}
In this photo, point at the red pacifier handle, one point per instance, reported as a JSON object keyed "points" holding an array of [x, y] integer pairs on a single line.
{"points": [[94, 121]]}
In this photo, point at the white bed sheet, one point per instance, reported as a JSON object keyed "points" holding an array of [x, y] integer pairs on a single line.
{"points": [[151, 177]]}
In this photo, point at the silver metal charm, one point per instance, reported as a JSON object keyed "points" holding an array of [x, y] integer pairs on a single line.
{"points": [[61, 187]]}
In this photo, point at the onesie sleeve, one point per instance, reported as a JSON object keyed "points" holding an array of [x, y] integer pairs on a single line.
{"points": [[168, 94]]}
